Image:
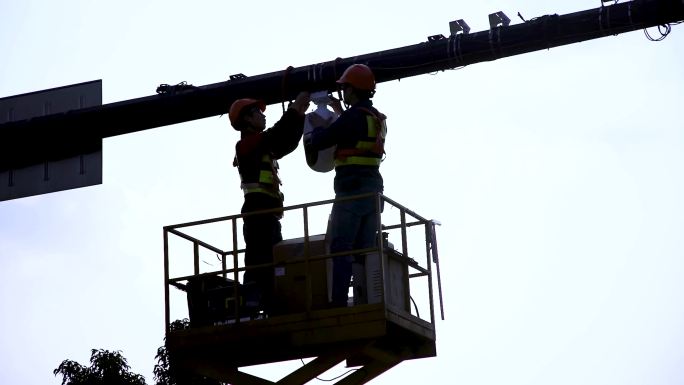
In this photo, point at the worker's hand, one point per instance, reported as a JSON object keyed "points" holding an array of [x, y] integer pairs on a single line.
{"points": [[335, 105], [318, 121], [301, 103]]}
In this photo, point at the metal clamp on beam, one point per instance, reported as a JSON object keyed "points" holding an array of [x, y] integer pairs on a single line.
{"points": [[498, 18], [457, 26]]}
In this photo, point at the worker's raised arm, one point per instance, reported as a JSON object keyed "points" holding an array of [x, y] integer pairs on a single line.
{"points": [[284, 136]]}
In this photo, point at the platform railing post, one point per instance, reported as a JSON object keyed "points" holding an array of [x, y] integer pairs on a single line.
{"points": [[435, 257], [236, 277], [428, 238], [196, 257], [167, 311], [307, 256], [379, 199]]}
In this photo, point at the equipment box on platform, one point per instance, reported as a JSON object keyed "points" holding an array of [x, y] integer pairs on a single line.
{"points": [[211, 300], [291, 275]]}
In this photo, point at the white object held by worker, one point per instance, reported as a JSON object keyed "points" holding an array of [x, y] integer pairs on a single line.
{"points": [[319, 160]]}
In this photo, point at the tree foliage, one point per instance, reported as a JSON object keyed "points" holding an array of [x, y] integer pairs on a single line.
{"points": [[163, 370], [111, 368], [106, 368], [165, 373]]}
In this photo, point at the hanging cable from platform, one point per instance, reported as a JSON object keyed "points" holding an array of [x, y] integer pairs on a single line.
{"points": [[334, 378]]}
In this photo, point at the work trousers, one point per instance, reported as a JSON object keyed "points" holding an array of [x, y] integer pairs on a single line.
{"points": [[261, 233], [353, 226]]}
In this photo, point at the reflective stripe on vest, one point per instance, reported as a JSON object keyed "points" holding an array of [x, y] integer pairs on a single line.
{"points": [[366, 152], [259, 188], [268, 181]]}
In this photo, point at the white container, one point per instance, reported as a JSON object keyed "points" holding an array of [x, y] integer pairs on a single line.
{"points": [[323, 160]]}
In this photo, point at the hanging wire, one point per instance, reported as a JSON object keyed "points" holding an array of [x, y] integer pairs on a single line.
{"points": [[218, 258], [446, 69], [663, 29], [334, 378], [415, 306], [283, 86]]}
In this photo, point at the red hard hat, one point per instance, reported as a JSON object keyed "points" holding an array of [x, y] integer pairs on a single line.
{"points": [[239, 105], [358, 76]]}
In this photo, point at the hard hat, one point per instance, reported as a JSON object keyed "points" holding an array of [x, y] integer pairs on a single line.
{"points": [[358, 76], [238, 106]]}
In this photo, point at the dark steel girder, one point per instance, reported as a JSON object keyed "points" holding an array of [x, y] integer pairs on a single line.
{"points": [[59, 136]]}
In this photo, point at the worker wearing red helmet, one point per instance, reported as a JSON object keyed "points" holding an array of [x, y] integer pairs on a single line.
{"points": [[256, 155], [359, 134]]}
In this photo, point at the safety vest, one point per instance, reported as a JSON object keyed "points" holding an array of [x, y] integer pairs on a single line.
{"points": [[369, 150], [263, 179]]}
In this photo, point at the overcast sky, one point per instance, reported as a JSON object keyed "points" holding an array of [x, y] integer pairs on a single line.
{"points": [[557, 176]]}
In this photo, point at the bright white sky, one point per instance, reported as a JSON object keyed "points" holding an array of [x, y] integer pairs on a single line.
{"points": [[557, 176]]}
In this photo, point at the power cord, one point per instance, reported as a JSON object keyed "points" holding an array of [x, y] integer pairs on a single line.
{"points": [[334, 378], [664, 30], [415, 306]]}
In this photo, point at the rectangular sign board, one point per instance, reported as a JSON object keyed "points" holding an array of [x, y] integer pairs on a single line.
{"points": [[51, 175]]}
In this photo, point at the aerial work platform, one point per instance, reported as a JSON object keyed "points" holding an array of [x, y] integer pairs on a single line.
{"points": [[389, 317]]}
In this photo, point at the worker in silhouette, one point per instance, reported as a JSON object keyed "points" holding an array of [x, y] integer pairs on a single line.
{"points": [[359, 136], [256, 155]]}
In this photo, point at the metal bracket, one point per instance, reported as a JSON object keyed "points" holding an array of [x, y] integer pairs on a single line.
{"points": [[458, 26], [498, 18], [238, 76]]}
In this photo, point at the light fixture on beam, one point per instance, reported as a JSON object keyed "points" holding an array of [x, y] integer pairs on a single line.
{"points": [[457, 26], [498, 18]]}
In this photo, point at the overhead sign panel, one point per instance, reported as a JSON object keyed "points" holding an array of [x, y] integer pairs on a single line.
{"points": [[48, 173]]}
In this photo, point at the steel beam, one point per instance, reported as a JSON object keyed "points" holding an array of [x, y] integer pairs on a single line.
{"points": [[62, 135]]}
